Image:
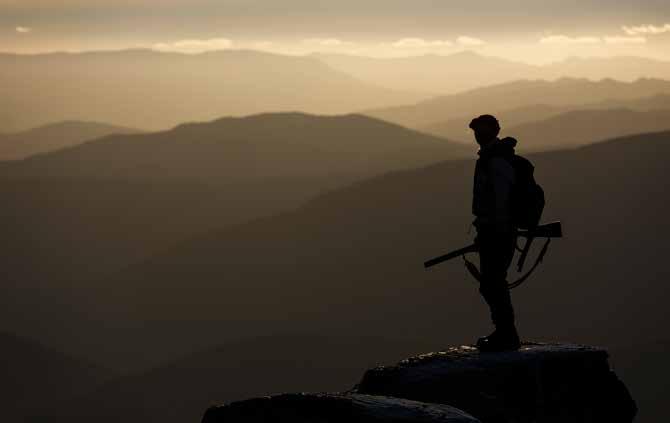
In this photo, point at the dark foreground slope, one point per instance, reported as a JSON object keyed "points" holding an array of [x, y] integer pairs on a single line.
{"points": [[34, 377], [179, 391], [351, 261], [72, 216], [54, 136]]}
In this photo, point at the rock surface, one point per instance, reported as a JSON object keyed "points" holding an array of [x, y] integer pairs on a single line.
{"points": [[334, 408], [538, 383]]}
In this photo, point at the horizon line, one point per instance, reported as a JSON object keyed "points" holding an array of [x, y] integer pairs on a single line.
{"points": [[325, 53]]}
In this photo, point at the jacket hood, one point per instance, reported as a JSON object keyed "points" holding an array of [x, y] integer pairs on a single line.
{"points": [[501, 147]]}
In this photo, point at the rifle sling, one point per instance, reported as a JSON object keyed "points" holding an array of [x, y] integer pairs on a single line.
{"points": [[474, 271]]}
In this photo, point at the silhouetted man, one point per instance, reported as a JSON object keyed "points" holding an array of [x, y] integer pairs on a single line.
{"points": [[496, 233]]}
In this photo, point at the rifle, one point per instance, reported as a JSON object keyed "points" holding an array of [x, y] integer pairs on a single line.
{"points": [[549, 230]]}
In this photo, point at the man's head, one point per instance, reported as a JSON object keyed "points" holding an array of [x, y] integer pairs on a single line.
{"points": [[486, 129]]}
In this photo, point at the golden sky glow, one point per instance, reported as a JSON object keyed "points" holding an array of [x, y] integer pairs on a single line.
{"points": [[534, 32]]}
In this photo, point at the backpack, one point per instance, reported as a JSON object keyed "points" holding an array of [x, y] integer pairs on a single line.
{"points": [[527, 197]]}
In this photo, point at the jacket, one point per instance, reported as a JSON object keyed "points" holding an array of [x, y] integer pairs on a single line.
{"points": [[492, 189]]}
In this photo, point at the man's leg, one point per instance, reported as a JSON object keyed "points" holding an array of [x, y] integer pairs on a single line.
{"points": [[496, 254]]}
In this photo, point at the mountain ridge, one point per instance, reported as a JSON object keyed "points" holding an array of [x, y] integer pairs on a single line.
{"points": [[516, 94], [54, 136], [269, 139]]}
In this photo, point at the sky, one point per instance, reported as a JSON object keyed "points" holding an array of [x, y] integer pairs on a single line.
{"points": [[524, 30]]}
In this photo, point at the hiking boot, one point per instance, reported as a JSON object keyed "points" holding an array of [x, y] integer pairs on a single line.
{"points": [[500, 340]]}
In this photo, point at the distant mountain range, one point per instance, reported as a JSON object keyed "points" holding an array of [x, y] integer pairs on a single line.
{"points": [[156, 90], [457, 128], [449, 74], [581, 127], [571, 128], [565, 92], [431, 74], [54, 136]]}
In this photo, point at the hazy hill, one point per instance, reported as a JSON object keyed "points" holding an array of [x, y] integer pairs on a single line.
{"points": [[156, 90], [180, 391], [658, 101], [457, 128], [585, 126], [33, 376], [71, 216], [508, 96], [431, 74], [568, 129], [54, 136], [351, 262], [448, 74], [229, 150]]}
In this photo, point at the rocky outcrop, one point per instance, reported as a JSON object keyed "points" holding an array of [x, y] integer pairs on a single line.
{"points": [[538, 383], [334, 408]]}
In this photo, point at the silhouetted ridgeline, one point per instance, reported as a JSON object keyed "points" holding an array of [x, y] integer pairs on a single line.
{"points": [[543, 127], [512, 95], [581, 127], [540, 383], [232, 150], [54, 136]]}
